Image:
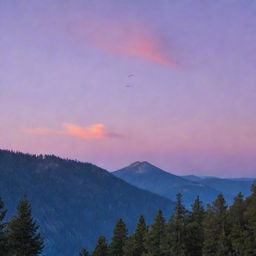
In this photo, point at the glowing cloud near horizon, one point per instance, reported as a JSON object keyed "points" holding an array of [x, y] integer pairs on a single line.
{"points": [[95, 131], [126, 39]]}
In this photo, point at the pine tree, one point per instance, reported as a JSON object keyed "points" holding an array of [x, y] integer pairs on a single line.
{"points": [[129, 246], [238, 223], [101, 248], [140, 237], [24, 238], [250, 216], [83, 252], [119, 238], [155, 236], [135, 243], [3, 232], [216, 229], [174, 242], [194, 229]]}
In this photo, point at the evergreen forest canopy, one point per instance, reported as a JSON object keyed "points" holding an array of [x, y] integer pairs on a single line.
{"points": [[218, 230]]}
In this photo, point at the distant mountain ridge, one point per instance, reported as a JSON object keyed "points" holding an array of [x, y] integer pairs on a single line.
{"points": [[229, 187], [73, 202], [198, 178], [147, 176]]}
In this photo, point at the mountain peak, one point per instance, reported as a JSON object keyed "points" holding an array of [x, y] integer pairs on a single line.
{"points": [[138, 163], [149, 177], [134, 164], [140, 166]]}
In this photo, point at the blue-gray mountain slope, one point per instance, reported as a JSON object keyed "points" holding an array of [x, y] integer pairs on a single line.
{"points": [[147, 176], [73, 202], [228, 187]]}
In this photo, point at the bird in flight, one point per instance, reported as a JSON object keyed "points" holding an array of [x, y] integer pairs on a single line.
{"points": [[129, 85]]}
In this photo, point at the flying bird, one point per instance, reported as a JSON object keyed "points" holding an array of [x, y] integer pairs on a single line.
{"points": [[129, 85]]}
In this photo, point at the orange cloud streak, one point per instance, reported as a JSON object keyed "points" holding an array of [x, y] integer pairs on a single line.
{"points": [[127, 39], [146, 47], [95, 131]]}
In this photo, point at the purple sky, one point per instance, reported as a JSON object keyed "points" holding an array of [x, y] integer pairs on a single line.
{"points": [[190, 106]]}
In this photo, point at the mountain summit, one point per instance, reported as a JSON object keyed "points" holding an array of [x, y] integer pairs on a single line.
{"points": [[142, 168], [147, 176]]}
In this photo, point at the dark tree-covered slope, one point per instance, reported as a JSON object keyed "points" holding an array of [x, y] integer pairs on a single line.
{"points": [[73, 202]]}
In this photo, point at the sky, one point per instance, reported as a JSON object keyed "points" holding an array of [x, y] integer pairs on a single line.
{"points": [[112, 82]]}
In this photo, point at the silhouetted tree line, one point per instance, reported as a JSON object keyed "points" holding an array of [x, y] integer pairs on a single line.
{"points": [[19, 236], [218, 230]]}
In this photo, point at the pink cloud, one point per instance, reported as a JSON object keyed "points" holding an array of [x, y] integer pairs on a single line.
{"points": [[125, 38], [95, 131]]}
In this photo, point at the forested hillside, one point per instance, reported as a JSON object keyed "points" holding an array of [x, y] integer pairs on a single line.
{"points": [[72, 202], [217, 230]]}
